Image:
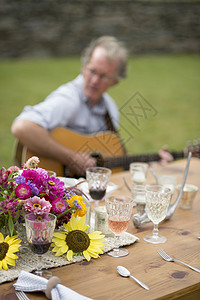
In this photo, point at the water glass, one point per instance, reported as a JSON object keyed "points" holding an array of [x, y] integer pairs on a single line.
{"points": [[157, 201], [138, 172]]}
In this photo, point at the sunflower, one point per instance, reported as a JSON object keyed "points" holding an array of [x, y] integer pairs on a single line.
{"points": [[8, 247], [76, 241]]}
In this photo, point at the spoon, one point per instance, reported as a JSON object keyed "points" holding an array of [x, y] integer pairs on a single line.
{"points": [[125, 273]]}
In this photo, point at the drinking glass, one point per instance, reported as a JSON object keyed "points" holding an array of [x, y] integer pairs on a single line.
{"points": [[119, 210], [39, 232], [138, 172], [157, 202], [97, 178]]}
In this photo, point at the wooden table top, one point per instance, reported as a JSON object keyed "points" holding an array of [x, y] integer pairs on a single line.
{"points": [[99, 280]]}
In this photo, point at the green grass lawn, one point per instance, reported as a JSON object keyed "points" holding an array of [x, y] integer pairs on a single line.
{"points": [[169, 84]]}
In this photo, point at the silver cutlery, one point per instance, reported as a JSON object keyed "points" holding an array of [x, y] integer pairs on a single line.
{"points": [[21, 295], [168, 258], [125, 273], [198, 237]]}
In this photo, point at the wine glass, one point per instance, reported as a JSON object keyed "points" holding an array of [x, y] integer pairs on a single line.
{"points": [[97, 178], [119, 210], [157, 201], [138, 172], [39, 231]]}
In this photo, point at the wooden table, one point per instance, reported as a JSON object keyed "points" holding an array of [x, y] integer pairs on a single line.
{"points": [[99, 279]]}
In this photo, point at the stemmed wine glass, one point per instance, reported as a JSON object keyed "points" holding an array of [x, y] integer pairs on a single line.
{"points": [[39, 231], [157, 201], [97, 178], [119, 210]]}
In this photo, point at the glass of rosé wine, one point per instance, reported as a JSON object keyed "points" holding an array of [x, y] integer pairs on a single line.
{"points": [[119, 210]]}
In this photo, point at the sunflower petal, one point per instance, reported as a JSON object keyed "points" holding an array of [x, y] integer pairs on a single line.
{"points": [[59, 235], [96, 235], [1, 238], [73, 223], [11, 255], [10, 261], [95, 249], [4, 264], [60, 243], [86, 255], [59, 252], [70, 255], [93, 254], [80, 223]]}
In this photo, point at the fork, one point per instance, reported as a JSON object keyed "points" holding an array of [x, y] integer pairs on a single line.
{"points": [[21, 295], [168, 258]]}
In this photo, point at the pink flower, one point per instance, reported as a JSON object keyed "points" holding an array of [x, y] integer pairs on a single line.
{"points": [[13, 169], [32, 162], [58, 205], [37, 205], [23, 191]]}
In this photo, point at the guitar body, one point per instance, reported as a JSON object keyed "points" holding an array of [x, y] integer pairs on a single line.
{"points": [[106, 147], [103, 144]]}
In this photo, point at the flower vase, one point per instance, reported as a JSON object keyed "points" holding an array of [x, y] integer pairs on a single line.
{"points": [[88, 214], [21, 232]]}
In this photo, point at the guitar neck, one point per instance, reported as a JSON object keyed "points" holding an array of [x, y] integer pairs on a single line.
{"points": [[124, 161]]}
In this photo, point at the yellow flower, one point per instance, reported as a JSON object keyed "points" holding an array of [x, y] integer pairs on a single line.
{"points": [[77, 241], [81, 211], [8, 247]]}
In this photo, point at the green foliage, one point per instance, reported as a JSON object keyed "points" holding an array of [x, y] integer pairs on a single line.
{"points": [[169, 83]]}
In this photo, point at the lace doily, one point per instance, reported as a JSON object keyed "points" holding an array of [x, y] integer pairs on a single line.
{"points": [[28, 261]]}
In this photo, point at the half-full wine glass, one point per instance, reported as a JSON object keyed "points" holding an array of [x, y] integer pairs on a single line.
{"points": [[97, 178], [39, 231], [119, 210], [157, 201]]}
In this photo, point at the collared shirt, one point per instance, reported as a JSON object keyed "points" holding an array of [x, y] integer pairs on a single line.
{"points": [[68, 107]]}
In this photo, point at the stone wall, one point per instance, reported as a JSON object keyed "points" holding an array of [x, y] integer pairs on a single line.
{"points": [[65, 27]]}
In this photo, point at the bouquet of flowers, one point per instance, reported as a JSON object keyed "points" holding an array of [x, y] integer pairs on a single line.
{"points": [[31, 189]]}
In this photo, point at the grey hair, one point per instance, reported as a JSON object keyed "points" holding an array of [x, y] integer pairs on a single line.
{"points": [[114, 50]]}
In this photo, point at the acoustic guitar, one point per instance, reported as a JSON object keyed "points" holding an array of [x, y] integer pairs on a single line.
{"points": [[106, 147]]}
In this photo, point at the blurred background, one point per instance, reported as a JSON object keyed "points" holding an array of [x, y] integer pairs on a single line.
{"points": [[40, 46]]}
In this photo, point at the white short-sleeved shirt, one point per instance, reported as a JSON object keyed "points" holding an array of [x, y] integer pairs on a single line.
{"points": [[68, 107]]}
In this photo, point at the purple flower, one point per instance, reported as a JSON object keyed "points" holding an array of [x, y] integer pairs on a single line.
{"points": [[34, 176], [37, 205], [20, 179], [23, 191], [58, 205], [39, 217], [9, 205], [3, 178], [34, 189], [54, 188]]}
